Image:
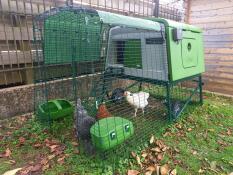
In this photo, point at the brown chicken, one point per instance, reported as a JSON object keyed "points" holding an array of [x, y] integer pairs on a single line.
{"points": [[102, 112]]}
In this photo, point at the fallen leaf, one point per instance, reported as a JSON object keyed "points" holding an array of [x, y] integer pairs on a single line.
{"points": [[12, 172], [74, 143], [173, 172], [6, 154], [11, 162], [50, 157], [25, 171], [190, 129], [45, 167], [164, 148], [164, 169], [133, 154], [21, 141], [167, 134], [201, 171], [160, 156], [213, 165], [156, 149], [37, 145], [179, 126], [211, 130], [144, 155], [53, 148], [148, 173], [133, 172], [160, 144], [229, 132], [151, 168], [152, 139], [44, 161], [177, 150], [76, 151], [36, 168], [194, 152], [61, 160], [139, 161]]}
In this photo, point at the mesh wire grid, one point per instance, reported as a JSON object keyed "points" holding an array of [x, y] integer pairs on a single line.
{"points": [[119, 73]]}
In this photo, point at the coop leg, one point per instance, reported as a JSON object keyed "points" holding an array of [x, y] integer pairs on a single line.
{"points": [[170, 116], [143, 111], [200, 90], [140, 86], [135, 114]]}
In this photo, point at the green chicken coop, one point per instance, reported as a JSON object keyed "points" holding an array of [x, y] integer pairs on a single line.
{"points": [[118, 53]]}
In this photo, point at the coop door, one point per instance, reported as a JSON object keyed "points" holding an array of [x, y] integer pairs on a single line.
{"points": [[133, 54], [189, 52]]}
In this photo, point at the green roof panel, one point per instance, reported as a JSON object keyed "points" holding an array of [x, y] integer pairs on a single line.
{"points": [[120, 20]]}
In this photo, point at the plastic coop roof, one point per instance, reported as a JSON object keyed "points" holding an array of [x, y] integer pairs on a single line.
{"points": [[115, 19], [107, 18]]}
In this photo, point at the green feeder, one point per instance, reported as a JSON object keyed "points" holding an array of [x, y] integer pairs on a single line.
{"points": [[110, 132], [55, 109]]}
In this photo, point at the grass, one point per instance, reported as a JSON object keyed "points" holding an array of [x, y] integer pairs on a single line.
{"points": [[202, 138]]}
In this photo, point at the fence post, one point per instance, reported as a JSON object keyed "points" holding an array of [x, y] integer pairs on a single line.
{"points": [[156, 9]]}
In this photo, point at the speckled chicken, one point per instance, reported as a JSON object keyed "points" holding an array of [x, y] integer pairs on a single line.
{"points": [[137, 100], [83, 123]]}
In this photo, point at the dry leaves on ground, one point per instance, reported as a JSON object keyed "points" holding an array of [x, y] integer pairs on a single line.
{"points": [[6, 153], [44, 162], [149, 160], [133, 172]]}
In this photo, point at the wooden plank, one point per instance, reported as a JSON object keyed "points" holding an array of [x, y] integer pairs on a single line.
{"points": [[207, 2], [218, 31], [218, 87], [214, 25], [13, 57], [211, 19], [219, 50], [211, 13], [219, 57], [32, 7], [217, 38], [226, 82], [17, 33], [219, 75], [197, 6], [216, 19]]}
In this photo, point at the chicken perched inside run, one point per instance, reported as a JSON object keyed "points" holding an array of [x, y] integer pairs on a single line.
{"points": [[102, 112], [83, 123], [137, 100]]}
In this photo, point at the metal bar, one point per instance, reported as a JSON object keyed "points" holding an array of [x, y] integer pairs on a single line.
{"points": [[168, 98], [156, 8], [187, 101], [200, 84]]}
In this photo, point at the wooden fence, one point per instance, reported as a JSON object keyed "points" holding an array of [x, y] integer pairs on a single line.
{"points": [[16, 35], [216, 19]]}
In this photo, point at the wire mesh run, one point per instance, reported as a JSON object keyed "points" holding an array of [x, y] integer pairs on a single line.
{"points": [[111, 73]]}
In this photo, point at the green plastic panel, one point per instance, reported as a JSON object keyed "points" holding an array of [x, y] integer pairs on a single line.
{"points": [[69, 36], [189, 52], [185, 57], [110, 132], [132, 54], [183, 60]]}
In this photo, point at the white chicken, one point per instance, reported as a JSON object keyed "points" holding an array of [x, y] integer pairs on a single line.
{"points": [[137, 100]]}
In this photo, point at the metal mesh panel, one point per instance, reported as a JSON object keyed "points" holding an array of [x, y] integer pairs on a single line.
{"points": [[116, 76], [17, 49]]}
